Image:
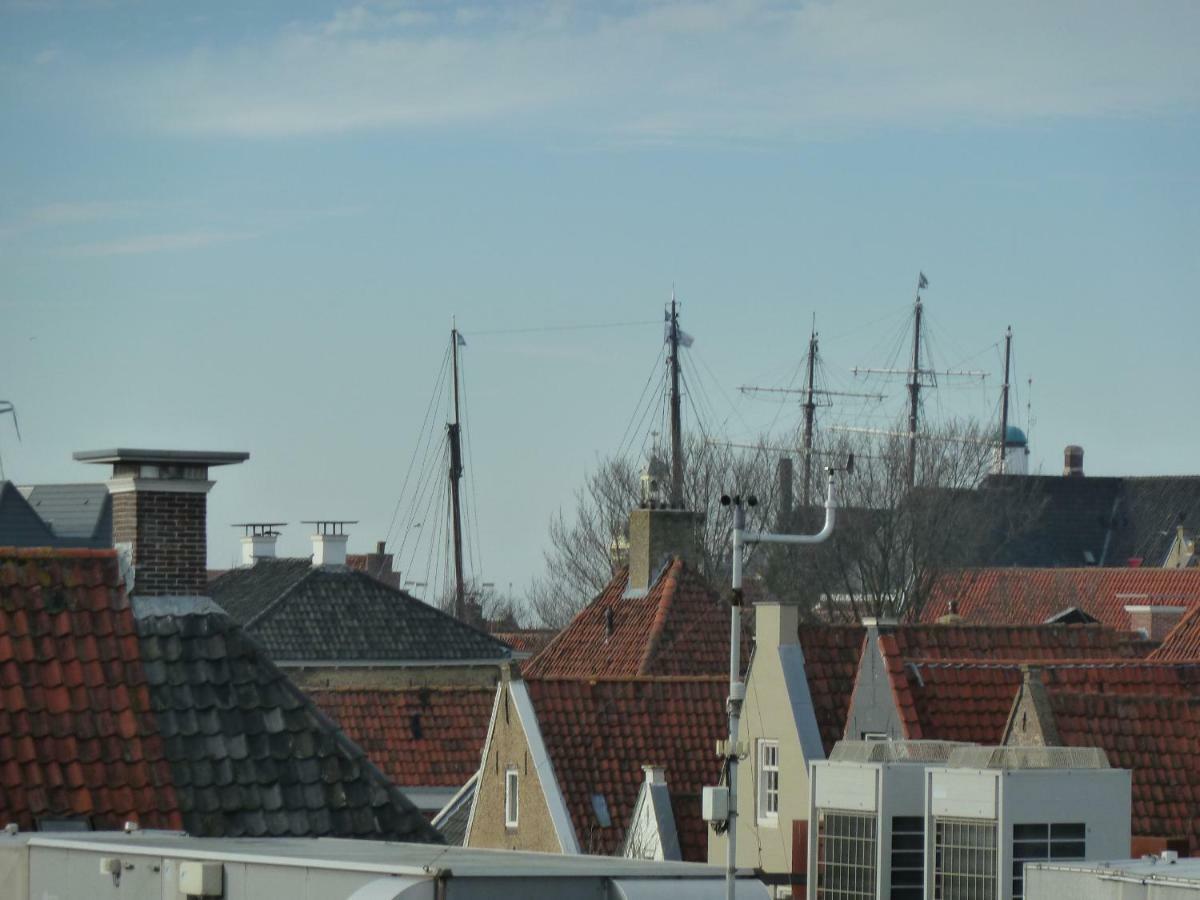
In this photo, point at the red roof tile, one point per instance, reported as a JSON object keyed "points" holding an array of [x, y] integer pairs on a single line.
{"points": [[831, 658], [527, 640], [599, 733], [1183, 641], [679, 627], [427, 737], [1001, 596], [59, 759], [1025, 642], [1158, 738]]}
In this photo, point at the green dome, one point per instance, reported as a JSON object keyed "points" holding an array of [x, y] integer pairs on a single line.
{"points": [[1014, 435]]}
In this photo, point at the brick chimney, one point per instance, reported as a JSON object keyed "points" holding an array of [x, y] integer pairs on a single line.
{"points": [[656, 535], [1154, 620], [159, 510], [1073, 461]]}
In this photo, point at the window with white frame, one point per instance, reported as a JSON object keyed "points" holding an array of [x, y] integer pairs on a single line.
{"points": [[768, 781], [512, 805]]}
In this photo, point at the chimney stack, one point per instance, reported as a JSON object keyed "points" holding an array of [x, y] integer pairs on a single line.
{"points": [[329, 541], [258, 540], [656, 535], [159, 510], [1073, 461]]}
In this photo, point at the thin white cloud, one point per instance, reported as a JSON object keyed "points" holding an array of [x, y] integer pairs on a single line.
{"points": [[158, 243], [741, 69], [56, 215]]}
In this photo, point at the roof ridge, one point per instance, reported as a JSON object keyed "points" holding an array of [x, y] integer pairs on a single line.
{"points": [[278, 601], [631, 679], [670, 578], [73, 552]]}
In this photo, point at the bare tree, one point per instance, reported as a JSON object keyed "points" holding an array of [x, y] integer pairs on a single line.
{"points": [[580, 557], [892, 540]]}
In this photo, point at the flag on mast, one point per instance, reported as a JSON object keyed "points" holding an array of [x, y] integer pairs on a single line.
{"points": [[685, 339], [922, 281]]}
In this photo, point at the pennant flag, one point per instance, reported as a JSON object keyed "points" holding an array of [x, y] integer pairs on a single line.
{"points": [[685, 339], [462, 341], [922, 282]]}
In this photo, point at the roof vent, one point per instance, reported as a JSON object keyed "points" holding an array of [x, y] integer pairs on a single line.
{"points": [[258, 540], [1028, 758], [329, 542]]}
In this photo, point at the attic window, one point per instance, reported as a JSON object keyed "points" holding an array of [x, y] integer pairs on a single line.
{"points": [[600, 808], [512, 803], [64, 825]]}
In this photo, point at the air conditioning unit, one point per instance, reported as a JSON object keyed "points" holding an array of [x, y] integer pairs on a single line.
{"points": [[990, 810], [866, 834]]}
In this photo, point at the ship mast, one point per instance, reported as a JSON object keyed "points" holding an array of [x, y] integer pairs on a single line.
{"points": [[453, 433], [676, 427], [1004, 400]]}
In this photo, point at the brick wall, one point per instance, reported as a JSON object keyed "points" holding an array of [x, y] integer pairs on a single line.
{"points": [[168, 534]]}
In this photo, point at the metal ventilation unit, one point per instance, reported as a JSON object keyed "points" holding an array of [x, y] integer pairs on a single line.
{"points": [[990, 810], [866, 834]]}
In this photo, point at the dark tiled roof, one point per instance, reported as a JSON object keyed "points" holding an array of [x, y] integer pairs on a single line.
{"points": [[679, 627], [20, 526], [79, 514], [427, 737], [304, 613], [599, 733], [1059, 521], [831, 658], [250, 755], [172, 717], [998, 596], [78, 738]]}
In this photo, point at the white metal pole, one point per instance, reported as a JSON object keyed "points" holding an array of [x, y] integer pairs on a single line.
{"points": [[737, 689]]}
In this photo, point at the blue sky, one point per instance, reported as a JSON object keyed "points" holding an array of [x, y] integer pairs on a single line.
{"points": [[247, 226]]}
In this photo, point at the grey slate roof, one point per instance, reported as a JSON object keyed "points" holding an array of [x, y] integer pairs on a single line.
{"points": [[20, 526], [249, 754], [78, 513], [1094, 520], [302, 613]]}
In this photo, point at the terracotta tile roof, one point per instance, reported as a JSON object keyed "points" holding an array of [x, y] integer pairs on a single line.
{"points": [[831, 658], [969, 700], [1024, 642], [527, 640], [78, 737], [599, 733], [164, 711], [1031, 596], [1158, 738], [427, 737], [679, 627], [1183, 641]]}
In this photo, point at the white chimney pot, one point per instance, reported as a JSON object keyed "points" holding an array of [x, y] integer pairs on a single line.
{"points": [[329, 549], [258, 546]]}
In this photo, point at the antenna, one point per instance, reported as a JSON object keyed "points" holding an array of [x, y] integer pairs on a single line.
{"points": [[1004, 399]]}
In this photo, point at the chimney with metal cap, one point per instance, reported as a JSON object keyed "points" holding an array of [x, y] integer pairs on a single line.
{"points": [[258, 540], [329, 541], [159, 510], [1073, 461]]}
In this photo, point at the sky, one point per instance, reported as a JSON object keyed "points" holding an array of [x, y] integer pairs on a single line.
{"points": [[249, 226]]}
